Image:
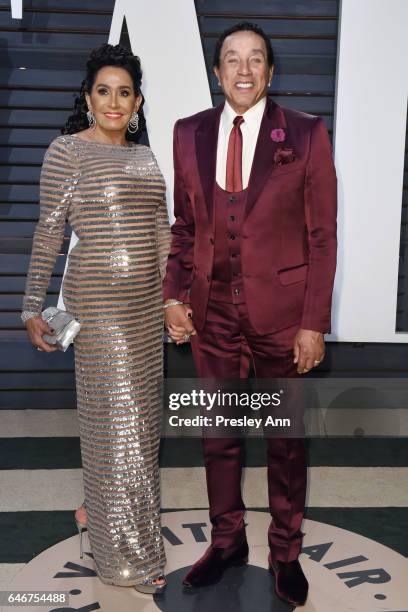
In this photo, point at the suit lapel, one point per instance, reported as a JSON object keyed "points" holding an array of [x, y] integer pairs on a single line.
{"points": [[265, 150], [206, 139]]}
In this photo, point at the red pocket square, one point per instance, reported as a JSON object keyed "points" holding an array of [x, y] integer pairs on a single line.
{"points": [[283, 156]]}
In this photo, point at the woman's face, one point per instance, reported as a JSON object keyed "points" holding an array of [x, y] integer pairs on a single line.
{"points": [[113, 99]]}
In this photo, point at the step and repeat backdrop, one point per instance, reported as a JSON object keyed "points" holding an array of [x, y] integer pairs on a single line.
{"points": [[344, 62]]}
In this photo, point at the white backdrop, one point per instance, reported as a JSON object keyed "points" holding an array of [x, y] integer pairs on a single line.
{"points": [[166, 37], [371, 105]]}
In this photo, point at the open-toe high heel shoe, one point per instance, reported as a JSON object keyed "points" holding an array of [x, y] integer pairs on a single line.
{"points": [[150, 587], [81, 525]]}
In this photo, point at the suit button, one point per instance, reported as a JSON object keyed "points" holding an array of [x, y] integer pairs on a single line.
{"points": [[234, 255], [208, 277], [232, 198], [232, 218], [236, 273], [232, 237], [211, 240], [236, 291]]}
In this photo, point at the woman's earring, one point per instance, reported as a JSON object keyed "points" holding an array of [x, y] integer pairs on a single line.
{"points": [[133, 124], [91, 119]]}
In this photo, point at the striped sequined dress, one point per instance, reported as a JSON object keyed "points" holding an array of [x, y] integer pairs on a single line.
{"points": [[114, 198]]}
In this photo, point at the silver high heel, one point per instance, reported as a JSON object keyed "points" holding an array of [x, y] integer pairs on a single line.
{"points": [[81, 527], [149, 587]]}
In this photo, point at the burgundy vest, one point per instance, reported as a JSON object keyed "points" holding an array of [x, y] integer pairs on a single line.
{"points": [[229, 208]]}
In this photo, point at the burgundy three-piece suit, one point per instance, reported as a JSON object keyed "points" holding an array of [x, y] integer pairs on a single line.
{"points": [[255, 266]]}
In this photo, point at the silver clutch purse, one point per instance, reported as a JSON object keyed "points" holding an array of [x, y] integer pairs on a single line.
{"points": [[65, 327]]}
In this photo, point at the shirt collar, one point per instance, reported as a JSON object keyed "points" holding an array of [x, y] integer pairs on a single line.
{"points": [[253, 116]]}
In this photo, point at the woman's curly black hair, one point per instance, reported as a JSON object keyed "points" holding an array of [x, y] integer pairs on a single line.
{"points": [[106, 55]]}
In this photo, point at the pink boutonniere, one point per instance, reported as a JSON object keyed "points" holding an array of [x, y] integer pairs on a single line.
{"points": [[278, 135], [283, 156]]}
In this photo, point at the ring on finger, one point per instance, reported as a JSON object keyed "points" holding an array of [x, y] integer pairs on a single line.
{"points": [[186, 337]]}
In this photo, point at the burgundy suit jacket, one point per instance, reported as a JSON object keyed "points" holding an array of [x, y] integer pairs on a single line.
{"points": [[288, 235]]}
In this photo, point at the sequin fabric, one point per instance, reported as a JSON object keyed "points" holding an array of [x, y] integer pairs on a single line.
{"points": [[114, 198]]}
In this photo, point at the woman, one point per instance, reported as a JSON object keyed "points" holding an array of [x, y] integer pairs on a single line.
{"points": [[112, 193]]}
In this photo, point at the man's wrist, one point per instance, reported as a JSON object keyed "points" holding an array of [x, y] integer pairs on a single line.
{"points": [[172, 302]]}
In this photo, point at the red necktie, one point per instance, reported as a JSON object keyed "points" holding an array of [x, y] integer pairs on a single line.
{"points": [[233, 180]]}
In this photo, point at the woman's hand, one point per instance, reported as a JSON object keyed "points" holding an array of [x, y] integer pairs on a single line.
{"points": [[36, 328]]}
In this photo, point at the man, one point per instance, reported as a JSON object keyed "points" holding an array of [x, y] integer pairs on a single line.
{"points": [[252, 262]]}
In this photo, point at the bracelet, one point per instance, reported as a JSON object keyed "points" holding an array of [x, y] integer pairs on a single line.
{"points": [[25, 315], [172, 303]]}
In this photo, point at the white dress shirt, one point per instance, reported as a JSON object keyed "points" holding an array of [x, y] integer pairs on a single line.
{"points": [[250, 131]]}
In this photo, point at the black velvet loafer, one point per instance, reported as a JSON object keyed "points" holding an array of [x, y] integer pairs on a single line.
{"points": [[291, 584], [210, 568]]}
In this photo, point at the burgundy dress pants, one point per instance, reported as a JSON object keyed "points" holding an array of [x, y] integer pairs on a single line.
{"points": [[222, 351]]}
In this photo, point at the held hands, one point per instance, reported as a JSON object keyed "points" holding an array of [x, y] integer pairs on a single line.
{"points": [[178, 322], [36, 328], [308, 350]]}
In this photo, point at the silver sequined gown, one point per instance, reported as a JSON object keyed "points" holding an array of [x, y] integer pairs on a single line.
{"points": [[114, 198]]}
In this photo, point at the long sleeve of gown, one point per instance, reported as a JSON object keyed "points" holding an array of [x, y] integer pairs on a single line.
{"points": [[59, 176], [163, 236]]}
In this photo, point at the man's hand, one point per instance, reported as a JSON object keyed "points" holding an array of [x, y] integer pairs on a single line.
{"points": [[36, 328], [308, 350], [178, 322]]}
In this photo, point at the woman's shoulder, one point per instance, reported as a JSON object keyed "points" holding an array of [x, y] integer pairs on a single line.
{"points": [[62, 147], [143, 151], [60, 143], [146, 161], [64, 140]]}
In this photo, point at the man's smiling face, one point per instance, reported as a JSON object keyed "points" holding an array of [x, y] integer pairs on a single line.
{"points": [[243, 72]]}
